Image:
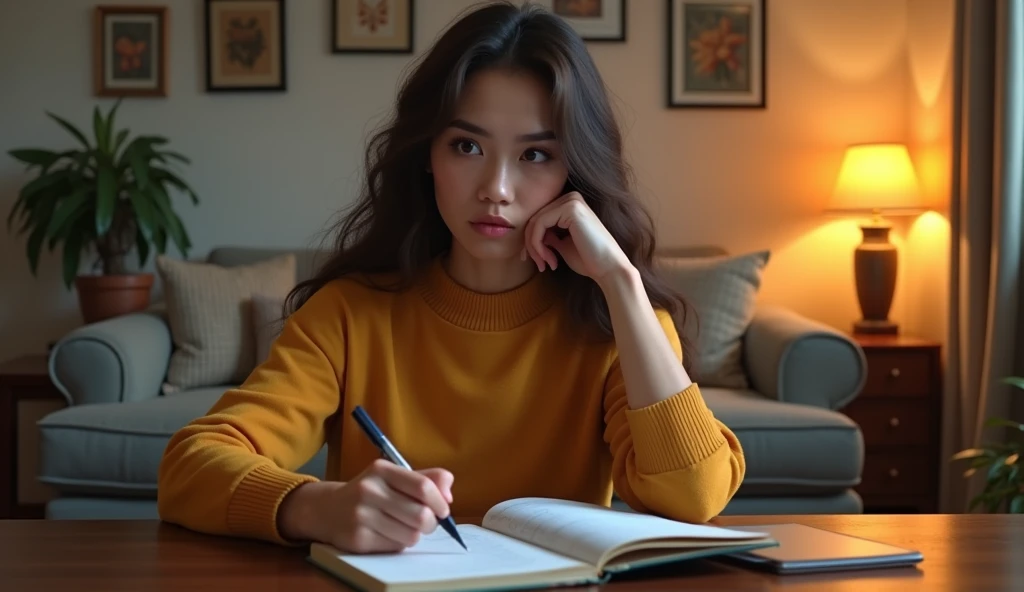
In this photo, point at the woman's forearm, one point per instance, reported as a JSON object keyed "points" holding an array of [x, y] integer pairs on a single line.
{"points": [[650, 368]]}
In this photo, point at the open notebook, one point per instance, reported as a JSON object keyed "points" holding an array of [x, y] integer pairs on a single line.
{"points": [[535, 542]]}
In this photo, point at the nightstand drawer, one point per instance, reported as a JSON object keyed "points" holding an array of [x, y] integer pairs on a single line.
{"points": [[900, 373], [892, 473], [891, 421]]}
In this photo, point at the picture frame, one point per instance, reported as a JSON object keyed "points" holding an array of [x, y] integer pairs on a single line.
{"points": [[372, 26], [130, 51], [700, 32], [593, 20], [245, 45]]}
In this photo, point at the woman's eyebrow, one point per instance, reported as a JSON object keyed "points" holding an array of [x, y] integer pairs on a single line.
{"points": [[476, 129]]}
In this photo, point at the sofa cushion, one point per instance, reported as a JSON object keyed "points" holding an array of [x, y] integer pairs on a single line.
{"points": [[209, 313], [116, 448], [267, 321], [790, 449], [722, 291]]}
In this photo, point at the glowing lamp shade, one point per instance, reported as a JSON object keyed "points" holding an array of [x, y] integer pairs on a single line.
{"points": [[876, 178]]}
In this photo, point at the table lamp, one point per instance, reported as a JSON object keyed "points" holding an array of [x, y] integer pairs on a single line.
{"points": [[880, 179]]}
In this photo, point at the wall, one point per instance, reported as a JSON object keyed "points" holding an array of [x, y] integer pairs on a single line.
{"points": [[271, 168]]}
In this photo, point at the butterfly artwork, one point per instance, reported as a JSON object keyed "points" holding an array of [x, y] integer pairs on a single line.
{"points": [[372, 26], [130, 44], [373, 14]]}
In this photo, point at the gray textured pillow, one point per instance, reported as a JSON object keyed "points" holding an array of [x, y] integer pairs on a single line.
{"points": [[723, 292], [208, 310], [267, 322]]}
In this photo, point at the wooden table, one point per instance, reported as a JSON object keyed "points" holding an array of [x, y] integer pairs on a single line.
{"points": [[962, 552], [26, 395]]}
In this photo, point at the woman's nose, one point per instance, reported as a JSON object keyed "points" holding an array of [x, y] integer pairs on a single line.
{"points": [[498, 185]]}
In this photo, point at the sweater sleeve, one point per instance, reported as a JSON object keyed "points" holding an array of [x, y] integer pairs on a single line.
{"points": [[672, 458], [228, 471]]}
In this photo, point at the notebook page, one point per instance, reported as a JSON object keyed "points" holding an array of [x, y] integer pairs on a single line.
{"points": [[587, 531], [438, 558]]}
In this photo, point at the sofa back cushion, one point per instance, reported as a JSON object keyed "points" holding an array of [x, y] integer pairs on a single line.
{"points": [[306, 260], [722, 292]]}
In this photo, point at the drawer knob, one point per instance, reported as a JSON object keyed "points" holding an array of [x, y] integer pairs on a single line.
{"points": [[895, 373], [894, 473], [894, 422]]}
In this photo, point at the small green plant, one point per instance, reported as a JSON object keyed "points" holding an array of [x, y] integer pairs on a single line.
{"points": [[1000, 464], [106, 196]]}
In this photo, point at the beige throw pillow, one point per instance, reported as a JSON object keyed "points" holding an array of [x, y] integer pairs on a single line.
{"points": [[209, 313], [723, 293], [267, 321]]}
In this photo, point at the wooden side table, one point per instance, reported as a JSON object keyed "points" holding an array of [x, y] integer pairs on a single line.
{"points": [[26, 395], [900, 415]]}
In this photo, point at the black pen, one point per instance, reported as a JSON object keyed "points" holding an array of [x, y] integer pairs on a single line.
{"points": [[388, 450]]}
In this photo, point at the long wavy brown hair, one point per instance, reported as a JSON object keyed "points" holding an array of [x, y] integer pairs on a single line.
{"points": [[395, 227]]}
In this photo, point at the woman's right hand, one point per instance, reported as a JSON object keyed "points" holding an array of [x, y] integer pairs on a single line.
{"points": [[384, 509]]}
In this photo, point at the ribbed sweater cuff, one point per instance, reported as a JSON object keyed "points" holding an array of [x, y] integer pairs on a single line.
{"points": [[252, 511], [675, 433]]}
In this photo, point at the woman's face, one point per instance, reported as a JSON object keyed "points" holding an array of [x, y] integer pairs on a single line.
{"points": [[497, 163]]}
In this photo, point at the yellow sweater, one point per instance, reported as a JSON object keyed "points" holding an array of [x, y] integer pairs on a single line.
{"points": [[496, 388]]}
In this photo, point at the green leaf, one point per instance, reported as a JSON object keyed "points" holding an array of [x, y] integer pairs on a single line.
{"points": [[121, 137], [71, 129], [997, 467], [997, 422], [76, 203], [35, 245], [969, 453], [108, 124], [142, 245], [99, 129], [72, 256], [1017, 505], [36, 157], [160, 240], [169, 177], [175, 229], [1016, 381], [106, 199], [145, 212], [140, 168]]}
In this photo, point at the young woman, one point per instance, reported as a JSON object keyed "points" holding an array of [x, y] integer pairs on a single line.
{"points": [[491, 304]]}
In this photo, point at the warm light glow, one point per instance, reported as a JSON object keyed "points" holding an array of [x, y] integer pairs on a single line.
{"points": [[876, 177]]}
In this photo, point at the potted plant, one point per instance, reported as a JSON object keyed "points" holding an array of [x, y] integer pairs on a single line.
{"points": [[1000, 464], [105, 196]]}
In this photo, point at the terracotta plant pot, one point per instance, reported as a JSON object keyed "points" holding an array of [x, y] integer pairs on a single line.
{"points": [[105, 296]]}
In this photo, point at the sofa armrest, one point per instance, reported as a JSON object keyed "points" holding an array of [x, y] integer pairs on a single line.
{"points": [[794, 359], [113, 361]]}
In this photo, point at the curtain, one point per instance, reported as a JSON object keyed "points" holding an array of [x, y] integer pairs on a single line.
{"points": [[987, 201]]}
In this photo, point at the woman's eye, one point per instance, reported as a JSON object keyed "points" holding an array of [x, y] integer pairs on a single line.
{"points": [[534, 155], [463, 146]]}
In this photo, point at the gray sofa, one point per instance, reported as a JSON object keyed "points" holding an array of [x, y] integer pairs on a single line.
{"points": [[101, 453]]}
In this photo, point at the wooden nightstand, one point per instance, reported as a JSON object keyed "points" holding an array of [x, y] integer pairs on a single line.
{"points": [[26, 395], [900, 415]]}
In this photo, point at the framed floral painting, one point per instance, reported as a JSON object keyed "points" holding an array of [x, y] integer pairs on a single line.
{"points": [[130, 51], [716, 53], [245, 45], [372, 26]]}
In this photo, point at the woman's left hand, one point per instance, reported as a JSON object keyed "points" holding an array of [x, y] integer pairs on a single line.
{"points": [[586, 245]]}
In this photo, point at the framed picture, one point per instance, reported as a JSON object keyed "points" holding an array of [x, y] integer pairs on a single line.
{"points": [[371, 26], [716, 53], [130, 51], [245, 45], [594, 20]]}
